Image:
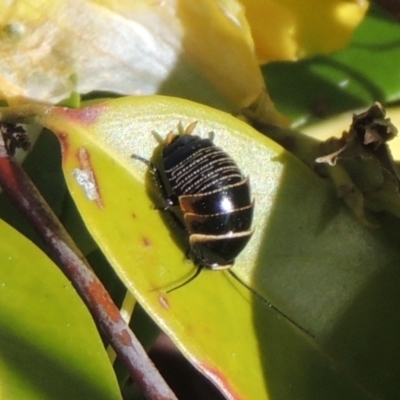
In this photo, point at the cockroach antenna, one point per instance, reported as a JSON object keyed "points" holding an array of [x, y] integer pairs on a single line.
{"points": [[192, 278], [269, 304]]}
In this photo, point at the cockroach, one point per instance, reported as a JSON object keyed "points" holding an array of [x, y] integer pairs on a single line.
{"points": [[212, 195], [213, 199]]}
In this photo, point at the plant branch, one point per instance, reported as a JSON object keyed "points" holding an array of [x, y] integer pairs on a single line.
{"points": [[25, 196]]}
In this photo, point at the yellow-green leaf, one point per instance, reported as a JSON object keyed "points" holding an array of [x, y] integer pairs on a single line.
{"points": [[308, 256], [49, 345]]}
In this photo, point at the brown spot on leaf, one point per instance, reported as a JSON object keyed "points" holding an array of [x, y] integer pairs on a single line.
{"points": [[63, 139], [220, 380], [86, 178], [86, 116], [163, 301], [146, 242]]}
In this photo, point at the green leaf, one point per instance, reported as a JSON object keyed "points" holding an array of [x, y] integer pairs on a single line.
{"points": [[49, 345], [352, 78], [308, 256]]}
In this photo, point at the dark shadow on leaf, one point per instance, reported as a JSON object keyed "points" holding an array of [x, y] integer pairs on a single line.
{"points": [[366, 336], [35, 367], [339, 281], [314, 96], [349, 79]]}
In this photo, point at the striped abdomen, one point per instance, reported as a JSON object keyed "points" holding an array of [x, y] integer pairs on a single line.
{"points": [[214, 198]]}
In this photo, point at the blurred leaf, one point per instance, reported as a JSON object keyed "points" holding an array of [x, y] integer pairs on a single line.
{"points": [[352, 78], [49, 345], [308, 256]]}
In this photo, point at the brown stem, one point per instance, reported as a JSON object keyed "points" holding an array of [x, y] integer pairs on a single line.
{"points": [[22, 192]]}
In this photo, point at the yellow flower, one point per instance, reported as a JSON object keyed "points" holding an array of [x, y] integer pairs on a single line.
{"points": [[206, 50], [293, 29]]}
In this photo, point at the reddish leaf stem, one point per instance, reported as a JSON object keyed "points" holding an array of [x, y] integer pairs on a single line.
{"points": [[22, 192]]}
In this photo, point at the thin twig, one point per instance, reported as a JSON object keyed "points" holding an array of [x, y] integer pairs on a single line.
{"points": [[25, 196]]}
